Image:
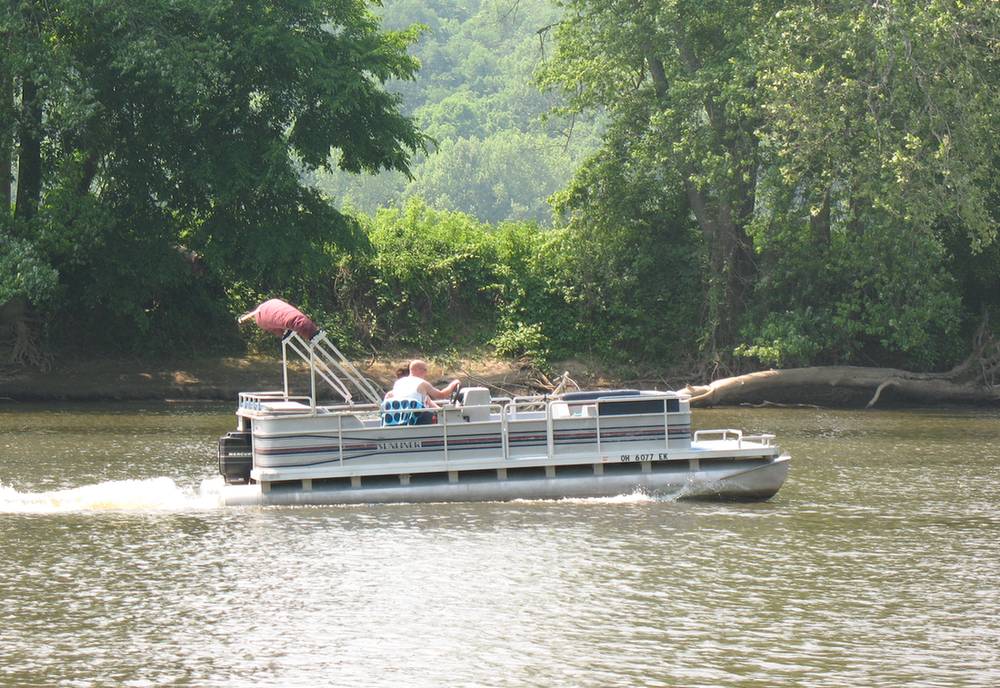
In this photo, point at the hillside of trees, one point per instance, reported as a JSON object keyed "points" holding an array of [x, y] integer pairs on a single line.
{"points": [[499, 149], [724, 186]]}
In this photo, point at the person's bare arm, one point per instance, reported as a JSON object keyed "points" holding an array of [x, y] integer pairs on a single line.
{"points": [[435, 393]]}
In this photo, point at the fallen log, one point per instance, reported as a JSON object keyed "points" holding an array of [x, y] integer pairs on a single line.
{"points": [[976, 380], [845, 386]]}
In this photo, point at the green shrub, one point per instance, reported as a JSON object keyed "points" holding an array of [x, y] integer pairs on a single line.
{"points": [[878, 296], [24, 272], [520, 340]]}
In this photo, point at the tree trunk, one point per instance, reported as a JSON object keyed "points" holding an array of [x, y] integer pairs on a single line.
{"points": [[819, 224], [29, 162], [738, 267], [723, 212], [976, 380], [849, 386], [87, 173], [6, 136], [656, 70], [731, 259]]}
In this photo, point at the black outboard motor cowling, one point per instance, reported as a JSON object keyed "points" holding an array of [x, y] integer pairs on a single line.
{"points": [[235, 457]]}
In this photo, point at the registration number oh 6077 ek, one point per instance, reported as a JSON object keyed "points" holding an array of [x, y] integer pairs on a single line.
{"points": [[650, 456]]}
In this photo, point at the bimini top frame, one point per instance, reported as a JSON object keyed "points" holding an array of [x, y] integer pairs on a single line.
{"points": [[326, 361]]}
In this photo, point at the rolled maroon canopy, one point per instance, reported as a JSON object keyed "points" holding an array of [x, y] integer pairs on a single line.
{"points": [[276, 316]]}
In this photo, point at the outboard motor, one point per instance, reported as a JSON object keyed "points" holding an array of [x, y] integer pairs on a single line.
{"points": [[235, 457]]}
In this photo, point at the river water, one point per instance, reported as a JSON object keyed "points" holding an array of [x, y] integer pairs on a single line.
{"points": [[878, 564]]}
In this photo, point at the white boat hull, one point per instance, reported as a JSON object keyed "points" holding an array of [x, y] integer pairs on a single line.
{"points": [[736, 480]]}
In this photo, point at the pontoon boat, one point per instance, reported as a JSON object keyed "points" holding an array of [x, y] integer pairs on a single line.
{"points": [[290, 449]]}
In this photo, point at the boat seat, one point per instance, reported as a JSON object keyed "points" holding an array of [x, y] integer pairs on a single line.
{"points": [[560, 409], [403, 412], [476, 404], [281, 407]]}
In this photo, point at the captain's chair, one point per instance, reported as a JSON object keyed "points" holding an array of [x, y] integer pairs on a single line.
{"points": [[402, 412]]}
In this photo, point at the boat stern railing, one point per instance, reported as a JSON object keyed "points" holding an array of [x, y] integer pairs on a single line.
{"points": [[254, 401]]}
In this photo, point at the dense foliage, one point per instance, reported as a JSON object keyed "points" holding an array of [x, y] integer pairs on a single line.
{"points": [[777, 183], [831, 155], [441, 280], [145, 134]]}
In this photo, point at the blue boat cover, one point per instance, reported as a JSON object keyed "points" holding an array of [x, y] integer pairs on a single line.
{"points": [[599, 394]]}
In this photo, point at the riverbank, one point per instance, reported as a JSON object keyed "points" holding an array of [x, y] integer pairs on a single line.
{"points": [[222, 378]]}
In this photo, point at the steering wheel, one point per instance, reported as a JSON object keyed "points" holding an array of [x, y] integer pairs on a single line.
{"points": [[456, 395]]}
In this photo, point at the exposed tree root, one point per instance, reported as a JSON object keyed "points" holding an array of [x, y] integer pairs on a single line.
{"points": [[25, 348], [20, 338]]}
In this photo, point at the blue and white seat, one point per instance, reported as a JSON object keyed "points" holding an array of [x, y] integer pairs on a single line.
{"points": [[401, 412]]}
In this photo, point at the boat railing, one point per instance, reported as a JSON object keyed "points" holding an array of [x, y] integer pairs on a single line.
{"points": [[557, 408], [763, 438], [724, 434], [258, 401], [520, 404], [539, 402], [514, 407], [505, 410], [528, 403]]}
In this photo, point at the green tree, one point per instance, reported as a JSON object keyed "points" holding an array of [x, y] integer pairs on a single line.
{"points": [[23, 273], [507, 176], [427, 279], [881, 146], [476, 97], [145, 128], [637, 263], [803, 137], [676, 79]]}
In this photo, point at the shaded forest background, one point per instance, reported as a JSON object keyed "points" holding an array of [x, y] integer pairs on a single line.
{"points": [[724, 185]]}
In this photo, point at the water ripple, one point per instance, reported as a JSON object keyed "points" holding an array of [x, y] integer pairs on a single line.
{"points": [[875, 566]]}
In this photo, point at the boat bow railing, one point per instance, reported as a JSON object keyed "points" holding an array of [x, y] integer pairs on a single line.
{"points": [[724, 434]]}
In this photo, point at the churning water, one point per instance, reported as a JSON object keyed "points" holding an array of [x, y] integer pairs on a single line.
{"points": [[878, 564], [126, 495]]}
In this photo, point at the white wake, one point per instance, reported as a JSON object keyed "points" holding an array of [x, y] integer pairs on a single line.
{"points": [[154, 494]]}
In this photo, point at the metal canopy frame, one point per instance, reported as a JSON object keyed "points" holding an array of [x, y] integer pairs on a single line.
{"points": [[325, 360]]}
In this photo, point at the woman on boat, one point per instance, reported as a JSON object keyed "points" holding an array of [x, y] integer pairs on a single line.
{"points": [[400, 373]]}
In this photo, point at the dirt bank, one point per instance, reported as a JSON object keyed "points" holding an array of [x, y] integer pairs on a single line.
{"points": [[223, 378]]}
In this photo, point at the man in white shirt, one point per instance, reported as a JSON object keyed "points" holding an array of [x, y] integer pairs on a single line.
{"points": [[414, 386]]}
